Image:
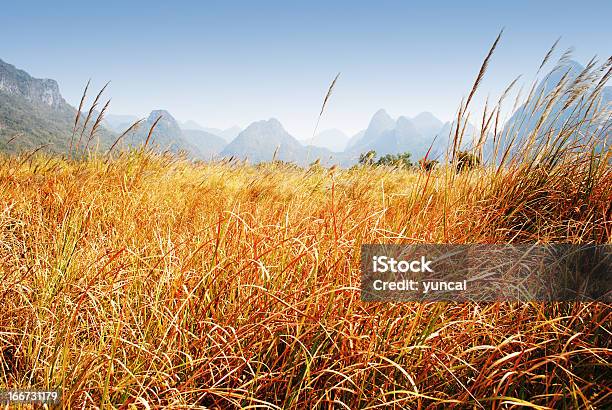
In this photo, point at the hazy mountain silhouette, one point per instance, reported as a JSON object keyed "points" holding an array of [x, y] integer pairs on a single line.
{"points": [[118, 122], [208, 145], [167, 135], [191, 125], [353, 140], [266, 140], [33, 113], [427, 124], [227, 134], [387, 136], [523, 122], [332, 139], [379, 124]]}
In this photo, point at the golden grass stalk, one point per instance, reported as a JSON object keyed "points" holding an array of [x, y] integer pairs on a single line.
{"points": [[323, 105], [89, 113], [78, 114]]}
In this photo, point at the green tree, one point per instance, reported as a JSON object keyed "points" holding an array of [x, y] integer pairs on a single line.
{"points": [[396, 160], [367, 158]]}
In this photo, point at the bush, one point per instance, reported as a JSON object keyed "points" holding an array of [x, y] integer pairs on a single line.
{"points": [[428, 164], [466, 161], [367, 158], [393, 160]]}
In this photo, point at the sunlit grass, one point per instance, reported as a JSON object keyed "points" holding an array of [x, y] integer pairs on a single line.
{"points": [[146, 279], [149, 279]]}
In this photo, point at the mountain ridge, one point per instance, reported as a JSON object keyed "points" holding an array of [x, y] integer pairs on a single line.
{"points": [[33, 113], [266, 140]]}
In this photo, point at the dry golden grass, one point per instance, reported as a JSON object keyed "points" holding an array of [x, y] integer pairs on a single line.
{"points": [[149, 280]]}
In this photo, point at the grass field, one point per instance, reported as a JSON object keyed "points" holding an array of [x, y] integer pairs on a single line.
{"points": [[150, 280], [135, 279]]}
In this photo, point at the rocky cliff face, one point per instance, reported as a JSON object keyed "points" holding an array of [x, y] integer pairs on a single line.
{"points": [[37, 91], [33, 114]]}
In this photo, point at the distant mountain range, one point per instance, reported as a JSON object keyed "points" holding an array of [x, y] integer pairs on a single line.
{"points": [[266, 140], [418, 135], [33, 113], [165, 136], [119, 123], [388, 136], [332, 139], [227, 134], [198, 141]]}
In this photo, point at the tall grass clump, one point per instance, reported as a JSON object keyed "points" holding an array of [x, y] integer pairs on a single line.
{"points": [[145, 280]]}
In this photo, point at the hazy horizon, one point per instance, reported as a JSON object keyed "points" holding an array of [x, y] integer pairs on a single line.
{"points": [[222, 64]]}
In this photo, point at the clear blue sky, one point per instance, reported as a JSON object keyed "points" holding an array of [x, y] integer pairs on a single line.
{"points": [[222, 63]]}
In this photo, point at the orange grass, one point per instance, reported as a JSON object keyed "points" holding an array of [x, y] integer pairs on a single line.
{"points": [[150, 280], [146, 280]]}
